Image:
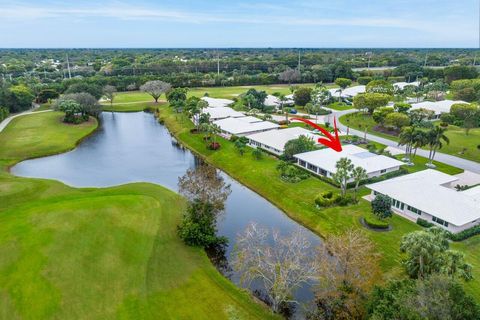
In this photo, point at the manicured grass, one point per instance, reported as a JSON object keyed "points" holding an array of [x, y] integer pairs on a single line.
{"points": [[131, 107], [214, 92], [98, 253], [461, 145], [297, 200], [339, 106]]}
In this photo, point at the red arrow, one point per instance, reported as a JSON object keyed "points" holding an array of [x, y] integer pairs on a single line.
{"points": [[331, 142]]}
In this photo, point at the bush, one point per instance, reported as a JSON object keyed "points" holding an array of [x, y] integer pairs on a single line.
{"points": [[214, 146], [364, 80], [381, 206], [291, 173], [424, 223], [465, 234], [375, 223], [3, 113], [326, 199]]}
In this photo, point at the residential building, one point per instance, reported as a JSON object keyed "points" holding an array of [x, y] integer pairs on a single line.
{"points": [[218, 113], [274, 140], [430, 195], [438, 107], [244, 126], [347, 92], [215, 103], [323, 162]]}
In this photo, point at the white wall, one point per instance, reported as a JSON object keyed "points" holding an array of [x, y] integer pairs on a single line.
{"points": [[406, 213]]}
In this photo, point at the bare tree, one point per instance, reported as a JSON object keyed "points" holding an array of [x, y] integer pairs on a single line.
{"points": [[289, 75], [282, 264], [204, 184], [348, 269], [155, 88], [109, 92]]}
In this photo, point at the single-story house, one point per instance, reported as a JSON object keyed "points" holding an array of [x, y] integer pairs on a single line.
{"points": [[323, 162], [402, 85], [438, 107], [244, 126], [215, 103], [222, 113], [347, 92], [274, 140], [430, 195], [272, 101]]}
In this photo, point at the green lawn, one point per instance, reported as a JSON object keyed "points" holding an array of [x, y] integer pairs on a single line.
{"points": [[461, 145], [215, 92], [297, 199], [95, 253]]}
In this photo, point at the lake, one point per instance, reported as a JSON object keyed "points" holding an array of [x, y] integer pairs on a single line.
{"points": [[135, 147]]}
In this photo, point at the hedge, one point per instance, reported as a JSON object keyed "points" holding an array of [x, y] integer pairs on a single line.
{"points": [[375, 223], [465, 234], [424, 223]]}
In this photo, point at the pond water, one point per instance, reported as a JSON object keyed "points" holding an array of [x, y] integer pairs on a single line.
{"points": [[133, 147]]}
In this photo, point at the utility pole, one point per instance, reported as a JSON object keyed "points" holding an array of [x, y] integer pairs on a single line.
{"points": [[299, 61], [68, 67], [218, 64], [426, 57]]}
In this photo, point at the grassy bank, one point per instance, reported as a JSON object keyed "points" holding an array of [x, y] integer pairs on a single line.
{"points": [[93, 253], [461, 145], [296, 200]]}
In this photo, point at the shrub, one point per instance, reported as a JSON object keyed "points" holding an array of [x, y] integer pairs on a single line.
{"points": [[214, 146], [465, 234], [364, 80], [424, 223], [381, 206], [326, 199], [233, 138], [375, 223], [3, 113]]}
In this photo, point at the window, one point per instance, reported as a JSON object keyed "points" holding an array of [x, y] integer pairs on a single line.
{"points": [[440, 221], [383, 171], [414, 210], [302, 163], [312, 167], [322, 172]]}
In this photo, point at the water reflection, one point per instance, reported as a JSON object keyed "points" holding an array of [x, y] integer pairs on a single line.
{"points": [[134, 147]]}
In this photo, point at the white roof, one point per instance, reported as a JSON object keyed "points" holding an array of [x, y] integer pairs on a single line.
{"points": [[278, 138], [425, 191], [215, 103], [402, 85], [437, 106], [272, 101], [348, 92], [250, 119], [327, 159], [242, 126], [222, 112]]}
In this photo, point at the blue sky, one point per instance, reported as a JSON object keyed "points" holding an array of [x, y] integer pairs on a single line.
{"points": [[247, 23]]}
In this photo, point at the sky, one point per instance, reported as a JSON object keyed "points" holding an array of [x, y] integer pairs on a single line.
{"points": [[246, 23]]}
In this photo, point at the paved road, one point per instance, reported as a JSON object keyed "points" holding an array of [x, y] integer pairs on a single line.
{"points": [[441, 157], [6, 121]]}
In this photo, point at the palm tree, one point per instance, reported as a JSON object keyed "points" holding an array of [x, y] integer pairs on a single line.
{"points": [[286, 111], [358, 174], [434, 140], [419, 140], [406, 138]]}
